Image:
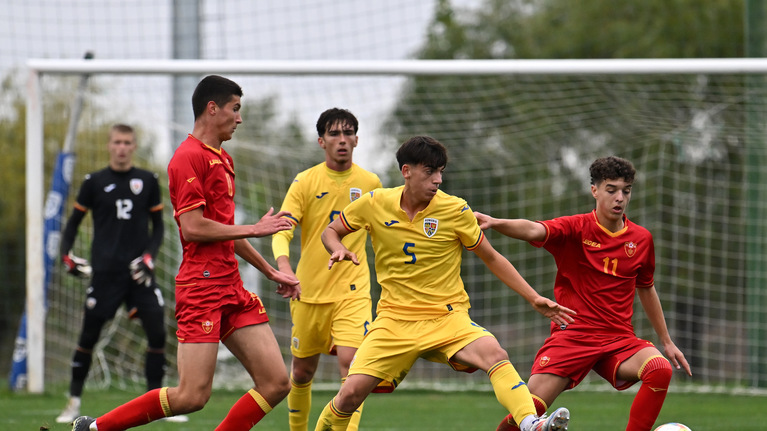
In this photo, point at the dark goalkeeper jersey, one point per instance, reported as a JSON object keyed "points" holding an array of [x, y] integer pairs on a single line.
{"points": [[120, 204]]}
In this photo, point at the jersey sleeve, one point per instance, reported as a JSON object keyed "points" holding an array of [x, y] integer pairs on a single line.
{"points": [[467, 227], [356, 215], [645, 276], [185, 175], [557, 231], [85, 196], [293, 203]]}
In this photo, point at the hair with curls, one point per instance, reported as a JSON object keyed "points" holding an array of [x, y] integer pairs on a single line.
{"points": [[611, 168]]}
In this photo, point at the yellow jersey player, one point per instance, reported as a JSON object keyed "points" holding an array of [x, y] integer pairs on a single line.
{"points": [[418, 234], [335, 308]]}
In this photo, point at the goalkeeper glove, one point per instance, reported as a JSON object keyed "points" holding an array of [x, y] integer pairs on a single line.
{"points": [[77, 266], [142, 269]]}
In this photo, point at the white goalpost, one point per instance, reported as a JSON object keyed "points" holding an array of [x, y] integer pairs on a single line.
{"points": [[531, 122]]}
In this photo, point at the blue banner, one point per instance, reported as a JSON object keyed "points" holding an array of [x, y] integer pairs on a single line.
{"points": [[54, 214]]}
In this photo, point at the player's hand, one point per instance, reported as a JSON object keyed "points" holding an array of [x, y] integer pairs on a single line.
{"points": [[676, 357], [272, 223], [343, 254], [558, 314], [289, 291], [142, 269], [287, 285], [484, 220], [77, 266]]}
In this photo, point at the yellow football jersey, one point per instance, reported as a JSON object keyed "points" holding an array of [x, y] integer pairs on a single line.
{"points": [[418, 262], [316, 197]]}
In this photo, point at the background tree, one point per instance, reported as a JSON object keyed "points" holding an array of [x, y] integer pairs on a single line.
{"points": [[510, 145]]}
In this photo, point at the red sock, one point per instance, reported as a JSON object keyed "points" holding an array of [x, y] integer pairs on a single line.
{"points": [[138, 411], [245, 413], [509, 424], [655, 375]]}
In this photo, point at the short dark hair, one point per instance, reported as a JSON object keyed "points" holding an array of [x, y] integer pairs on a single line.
{"points": [[121, 128], [336, 115], [611, 168], [422, 150], [213, 88]]}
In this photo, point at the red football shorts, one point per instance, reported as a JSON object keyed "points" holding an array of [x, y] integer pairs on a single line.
{"points": [[207, 314], [573, 354]]}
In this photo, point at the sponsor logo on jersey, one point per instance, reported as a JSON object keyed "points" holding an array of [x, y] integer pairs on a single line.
{"points": [[207, 326], [390, 223], [591, 243], [110, 187], [215, 162], [321, 195], [354, 194], [189, 180], [630, 248], [544, 361], [465, 207], [136, 185], [430, 226]]}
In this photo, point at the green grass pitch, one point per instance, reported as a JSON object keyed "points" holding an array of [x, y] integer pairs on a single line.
{"points": [[407, 409]]}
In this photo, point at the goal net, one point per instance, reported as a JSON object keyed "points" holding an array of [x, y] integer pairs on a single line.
{"points": [[520, 136]]}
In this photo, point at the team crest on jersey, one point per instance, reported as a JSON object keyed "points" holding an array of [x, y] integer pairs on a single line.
{"points": [[430, 226], [354, 194], [136, 185], [630, 248], [544, 361], [207, 326]]}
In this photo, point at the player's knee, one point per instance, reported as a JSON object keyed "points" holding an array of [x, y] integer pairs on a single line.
{"points": [[656, 372], [301, 375]]}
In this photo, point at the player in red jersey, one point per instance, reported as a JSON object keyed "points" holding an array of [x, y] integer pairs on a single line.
{"points": [[211, 303], [603, 260]]}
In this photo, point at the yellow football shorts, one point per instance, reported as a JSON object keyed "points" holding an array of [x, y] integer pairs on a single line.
{"points": [[319, 328], [392, 346]]}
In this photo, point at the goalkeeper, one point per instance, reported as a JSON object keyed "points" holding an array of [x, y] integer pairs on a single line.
{"points": [[124, 201]]}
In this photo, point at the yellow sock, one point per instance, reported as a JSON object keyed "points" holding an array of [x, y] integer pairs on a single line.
{"points": [[511, 390], [354, 423], [299, 405], [331, 419]]}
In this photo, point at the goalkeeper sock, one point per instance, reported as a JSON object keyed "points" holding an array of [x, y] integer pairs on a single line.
{"points": [[655, 375], [81, 363], [332, 419], [146, 408], [246, 412], [154, 369], [299, 405]]}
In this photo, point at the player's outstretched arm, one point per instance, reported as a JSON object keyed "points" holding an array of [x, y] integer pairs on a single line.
{"points": [[331, 239], [526, 230], [505, 271], [196, 228], [652, 307]]}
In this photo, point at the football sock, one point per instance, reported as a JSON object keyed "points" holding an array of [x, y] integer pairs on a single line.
{"points": [[511, 390], [299, 405], [354, 422], [332, 419], [81, 363], [509, 424], [146, 408], [655, 375], [154, 369], [245, 413]]}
